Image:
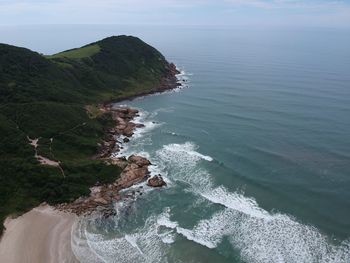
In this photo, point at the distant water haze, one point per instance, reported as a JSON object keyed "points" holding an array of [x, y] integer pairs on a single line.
{"points": [[256, 150]]}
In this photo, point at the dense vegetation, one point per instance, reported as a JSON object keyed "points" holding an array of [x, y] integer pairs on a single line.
{"points": [[52, 98]]}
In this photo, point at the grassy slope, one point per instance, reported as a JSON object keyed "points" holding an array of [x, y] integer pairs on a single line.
{"points": [[83, 52], [46, 97]]}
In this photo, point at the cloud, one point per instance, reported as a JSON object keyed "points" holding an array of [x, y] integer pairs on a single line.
{"points": [[172, 11]]}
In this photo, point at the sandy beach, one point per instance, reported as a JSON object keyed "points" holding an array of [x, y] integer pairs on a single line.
{"points": [[43, 235]]}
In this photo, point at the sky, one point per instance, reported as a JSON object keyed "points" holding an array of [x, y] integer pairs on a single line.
{"points": [[318, 13]]}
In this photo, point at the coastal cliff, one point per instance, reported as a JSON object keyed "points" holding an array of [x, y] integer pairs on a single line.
{"points": [[51, 122]]}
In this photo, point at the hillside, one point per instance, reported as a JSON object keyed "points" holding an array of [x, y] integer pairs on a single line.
{"points": [[53, 99]]}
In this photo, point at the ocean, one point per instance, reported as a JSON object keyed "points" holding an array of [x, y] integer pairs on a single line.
{"points": [[255, 147]]}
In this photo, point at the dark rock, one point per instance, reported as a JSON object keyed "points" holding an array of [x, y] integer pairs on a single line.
{"points": [[156, 181], [126, 139], [129, 130]]}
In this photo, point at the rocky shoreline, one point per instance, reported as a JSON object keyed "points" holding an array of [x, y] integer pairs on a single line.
{"points": [[134, 168], [168, 82]]}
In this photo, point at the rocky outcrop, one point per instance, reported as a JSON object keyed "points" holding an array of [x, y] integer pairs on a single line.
{"points": [[156, 181], [135, 172], [120, 162], [124, 127], [134, 169], [170, 81], [140, 161]]}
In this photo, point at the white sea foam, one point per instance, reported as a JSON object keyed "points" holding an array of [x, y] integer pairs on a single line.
{"points": [[141, 135], [146, 244], [182, 79], [183, 76], [187, 148], [133, 241], [276, 238], [164, 219], [236, 201], [261, 236], [182, 160], [146, 119], [168, 237], [80, 245]]}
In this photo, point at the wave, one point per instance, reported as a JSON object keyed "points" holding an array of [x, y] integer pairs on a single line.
{"points": [[148, 243], [264, 237], [186, 148], [80, 244], [260, 236], [146, 119], [141, 135]]}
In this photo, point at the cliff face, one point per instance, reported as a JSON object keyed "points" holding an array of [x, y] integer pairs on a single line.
{"points": [[53, 99]]}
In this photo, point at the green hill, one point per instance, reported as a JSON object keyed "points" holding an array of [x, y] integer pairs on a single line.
{"points": [[52, 98]]}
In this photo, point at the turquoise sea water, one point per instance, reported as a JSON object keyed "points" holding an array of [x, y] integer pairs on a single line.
{"points": [[255, 148]]}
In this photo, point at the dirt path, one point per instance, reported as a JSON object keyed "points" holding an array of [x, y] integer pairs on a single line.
{"points": [[43, 160], [46, 161]]}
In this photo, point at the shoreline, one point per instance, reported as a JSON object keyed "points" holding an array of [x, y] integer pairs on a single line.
{"points": [[169, 82], [43, 235], [134, 169]]}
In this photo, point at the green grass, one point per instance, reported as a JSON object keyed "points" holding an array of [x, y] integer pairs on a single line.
{"points": [[77, 53]]}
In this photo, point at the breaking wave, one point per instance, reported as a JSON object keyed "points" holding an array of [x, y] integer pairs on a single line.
{"points": [[259, 235], [148, 243]]}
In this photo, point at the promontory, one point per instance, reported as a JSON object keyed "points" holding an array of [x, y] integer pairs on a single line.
{"points": [[52, 124]]}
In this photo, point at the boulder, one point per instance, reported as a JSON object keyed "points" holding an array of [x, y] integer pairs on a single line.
{"points": [[129, 129], [156, 181], [138, 160], [131, 174], [101, 201], [126, 139]]}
